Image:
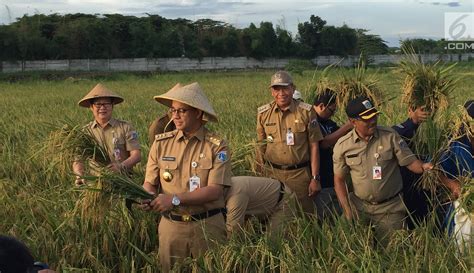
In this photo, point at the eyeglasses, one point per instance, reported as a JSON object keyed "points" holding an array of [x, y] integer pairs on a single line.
{"points": [[332, 110], [179, 111], [104, 104]]}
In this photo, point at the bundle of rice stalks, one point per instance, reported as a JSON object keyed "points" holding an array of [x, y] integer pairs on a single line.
{"points": [[433, 139], [430, 142], [317, 87], [76, 142], [117, 185], [428, 85], [357, 83]]}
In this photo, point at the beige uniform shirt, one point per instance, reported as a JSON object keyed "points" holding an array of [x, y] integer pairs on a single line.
{"points": [[174, 153], [250, 196], [272, 128], [385, 149], [118, 136]]}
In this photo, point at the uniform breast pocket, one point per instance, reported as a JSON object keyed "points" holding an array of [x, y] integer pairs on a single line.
{"points": [[168, 171], [299, 127], [203, 169], [386, 156], [271, 133], [353, 161], [300, 132]]}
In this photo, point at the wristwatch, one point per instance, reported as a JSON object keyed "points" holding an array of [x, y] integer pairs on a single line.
{"points": [[316, 177], [175, 200]]}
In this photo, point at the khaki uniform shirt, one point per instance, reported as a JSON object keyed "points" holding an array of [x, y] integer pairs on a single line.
{"points": [[119, 137], [159, 126], [272, 128], [385, 149], [174, 153]]}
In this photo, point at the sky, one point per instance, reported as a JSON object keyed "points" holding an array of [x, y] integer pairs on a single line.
{"points": [[391, 19]]}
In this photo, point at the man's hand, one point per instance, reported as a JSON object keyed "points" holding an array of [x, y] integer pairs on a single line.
{"points": [[145, 205], [314, 187], [455, 188], [418, 115], [115, 167], [79, 181], [427, 166], [162, 203]]}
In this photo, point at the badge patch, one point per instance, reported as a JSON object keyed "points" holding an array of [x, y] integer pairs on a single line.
{"points": [[222, 156], [314, 123], [168, 158], [133, 135], [403, 144], [367, 104]]}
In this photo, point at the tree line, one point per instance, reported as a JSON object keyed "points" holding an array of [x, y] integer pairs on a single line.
{"points": [[83, 36]]}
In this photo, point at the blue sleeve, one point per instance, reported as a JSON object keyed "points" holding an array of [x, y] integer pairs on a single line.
{"points": [[406, 130], [448, 164]]}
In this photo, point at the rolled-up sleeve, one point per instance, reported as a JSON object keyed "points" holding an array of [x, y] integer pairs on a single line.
{"points": [[314, 131], [221, 170], [340, 166], [132, 142], [403, 153], [152, 169]]}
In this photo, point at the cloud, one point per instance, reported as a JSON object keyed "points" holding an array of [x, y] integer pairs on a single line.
{"points": [[448, 3]]}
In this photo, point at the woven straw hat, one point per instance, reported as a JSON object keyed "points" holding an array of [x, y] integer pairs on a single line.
{"points": [[192, 95], [99, 91]]}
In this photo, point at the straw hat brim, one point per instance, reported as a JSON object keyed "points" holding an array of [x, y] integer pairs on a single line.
{"points": [[191, 95], [86, 102], [99, 91]]}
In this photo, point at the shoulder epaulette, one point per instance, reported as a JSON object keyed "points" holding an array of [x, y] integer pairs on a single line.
{"points": [[214, 139], [386, 129], [264, 108], [345, 137], [400, 126], [164, 136], [305, 106]]}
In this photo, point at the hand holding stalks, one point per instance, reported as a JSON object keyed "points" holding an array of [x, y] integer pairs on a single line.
{"points": [[418, 114]]}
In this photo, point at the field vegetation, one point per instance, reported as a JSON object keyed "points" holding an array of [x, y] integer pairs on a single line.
{"points": [[83, 231]]}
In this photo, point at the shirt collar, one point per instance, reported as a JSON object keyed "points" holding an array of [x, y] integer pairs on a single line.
{"points": [[200, 133], [112, 122], [356, 138], [291, 108]]}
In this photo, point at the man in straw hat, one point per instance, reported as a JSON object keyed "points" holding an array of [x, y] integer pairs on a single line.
{"points": [[372, 155], [288, 134], [119, 137], [192, 167]]}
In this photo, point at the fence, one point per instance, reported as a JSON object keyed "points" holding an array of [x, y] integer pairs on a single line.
{"points": [[210, 63]]}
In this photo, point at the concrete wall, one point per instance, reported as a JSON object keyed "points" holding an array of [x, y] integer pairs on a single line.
{"points": [[211, 63]]}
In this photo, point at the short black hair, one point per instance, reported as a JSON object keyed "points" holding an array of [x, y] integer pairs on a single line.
{"points": [[327, 97], [15, 257]]}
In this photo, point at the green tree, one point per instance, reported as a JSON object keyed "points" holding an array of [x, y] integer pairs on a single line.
{"points": [[310, 35]]}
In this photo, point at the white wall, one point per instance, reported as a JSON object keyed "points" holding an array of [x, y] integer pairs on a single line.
{"points": [[210, 63]]}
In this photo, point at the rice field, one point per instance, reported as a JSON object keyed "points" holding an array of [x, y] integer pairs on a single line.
{"points": [[81, 231]]}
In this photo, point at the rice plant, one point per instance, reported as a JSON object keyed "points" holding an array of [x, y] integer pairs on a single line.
{"points": [[428, 85]]}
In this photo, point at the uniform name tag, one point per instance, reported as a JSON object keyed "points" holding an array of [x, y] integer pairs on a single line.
{"points": [[168, 158], [376, 172], [194, 183]]}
